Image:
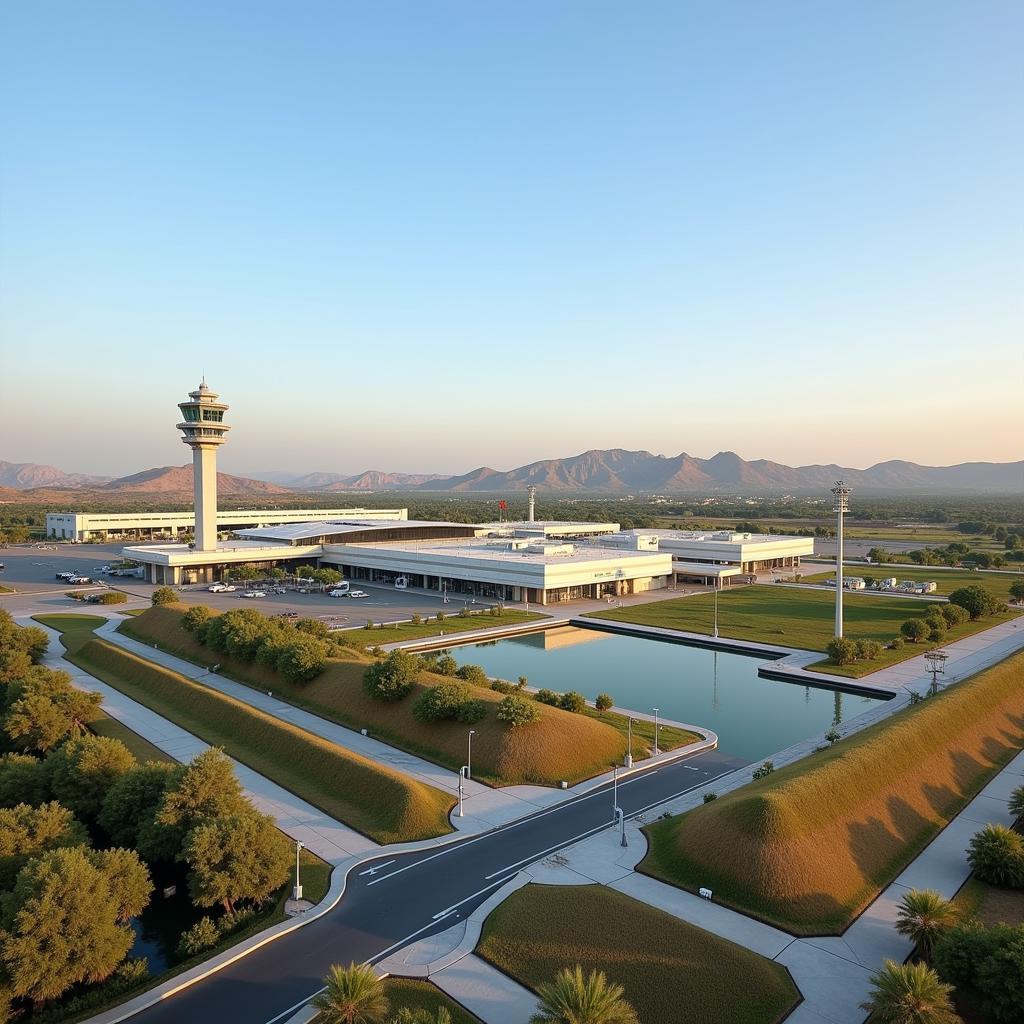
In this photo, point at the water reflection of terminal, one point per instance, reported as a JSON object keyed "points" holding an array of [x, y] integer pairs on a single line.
{"points": [[559, 637]]}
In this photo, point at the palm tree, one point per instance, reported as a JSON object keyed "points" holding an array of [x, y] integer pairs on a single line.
{"points": [[574, 999], [1017, 802], [909, 994], [923, 916], [353, 995]]}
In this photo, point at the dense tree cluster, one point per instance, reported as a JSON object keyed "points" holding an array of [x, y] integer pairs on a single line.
{"points": [[298, 650], [80, 824]]}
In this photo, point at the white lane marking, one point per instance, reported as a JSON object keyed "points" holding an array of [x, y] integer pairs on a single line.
{"points": [[515, 824], [376, 868], [557, 846], [297, 1006], [455, 906]]}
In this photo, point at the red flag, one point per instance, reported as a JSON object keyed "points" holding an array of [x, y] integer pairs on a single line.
{"points": [[503, 505]]}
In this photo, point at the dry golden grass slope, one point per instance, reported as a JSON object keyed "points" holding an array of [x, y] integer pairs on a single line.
{"points": [[809, 846], [559, 745]]}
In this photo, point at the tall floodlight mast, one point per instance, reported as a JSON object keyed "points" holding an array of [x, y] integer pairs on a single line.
{"points": [[842, 505], [203, 429]]}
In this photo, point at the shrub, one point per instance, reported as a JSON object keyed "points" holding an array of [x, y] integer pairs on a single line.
{"points": [[896, 643], [954, 615], [392, 678], [416, 618], [515, 710], [909, 994], [313, 627], [302, 659], [996, 855], [841, 650], [573, 701], [766, 768], [463, 612], [914, 630], [368, 624], [500, 686], [708, 797], [439, 617], [202, 935], [833, 735], [109, 597], [194, 619], [975, 600], [472, 711], [473, 674], [990, 963], [164, 595], [868, 650], [521, 683], [546, 696], [445, 665], [441, 702], [604, 702]]}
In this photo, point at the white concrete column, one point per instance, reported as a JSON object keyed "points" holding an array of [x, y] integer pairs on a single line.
{"points": [[204, 468]]}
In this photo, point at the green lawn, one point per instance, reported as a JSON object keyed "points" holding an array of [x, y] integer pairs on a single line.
{"points": [[423, 995], [669, 737], [792, 617], [377, 801], [946, 580], [670, 970], [379, 636]]}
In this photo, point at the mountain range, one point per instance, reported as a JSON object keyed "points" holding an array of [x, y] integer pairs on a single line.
{"points": [[613, 471]]}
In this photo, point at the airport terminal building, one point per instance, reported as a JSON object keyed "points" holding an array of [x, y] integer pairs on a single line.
{"points": [[102, 527]]}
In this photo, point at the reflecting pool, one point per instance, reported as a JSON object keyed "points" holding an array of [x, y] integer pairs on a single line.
{"points": [[754, 717]]}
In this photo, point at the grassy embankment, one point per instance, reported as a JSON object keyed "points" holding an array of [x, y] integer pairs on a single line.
{"points": [[559, 745], [76, 630], [808, 847], [946, 580], [375, 800], [379, 636], [669, 969], [793, 617]]}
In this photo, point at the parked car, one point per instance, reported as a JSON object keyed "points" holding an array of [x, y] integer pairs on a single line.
{"points": [[278, 590], [358, 593], [217, 588], [255, 593], [337, 593]]}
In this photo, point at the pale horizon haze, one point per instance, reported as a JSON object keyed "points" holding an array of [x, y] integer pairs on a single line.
{"points": [[427, 237]]}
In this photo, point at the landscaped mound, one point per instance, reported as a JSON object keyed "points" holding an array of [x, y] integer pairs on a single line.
{"points": [[374, 799], [810, 845], [559, 745]]}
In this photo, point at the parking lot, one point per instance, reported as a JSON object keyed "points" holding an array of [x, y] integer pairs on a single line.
{"points": [[31, 570]]}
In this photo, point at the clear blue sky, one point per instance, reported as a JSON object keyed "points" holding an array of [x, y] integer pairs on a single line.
{"points": [[425, 236]]}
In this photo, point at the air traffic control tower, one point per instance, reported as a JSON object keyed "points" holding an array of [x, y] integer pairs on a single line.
{"points": [[204, 429]]}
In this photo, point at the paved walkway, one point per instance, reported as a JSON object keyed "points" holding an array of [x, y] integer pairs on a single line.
{"points": [[328, 838]]}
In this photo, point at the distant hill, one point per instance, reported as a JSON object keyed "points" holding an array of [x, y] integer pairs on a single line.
{"points": [[23, 476], [613, 471], [178, 479], [620, 471]]}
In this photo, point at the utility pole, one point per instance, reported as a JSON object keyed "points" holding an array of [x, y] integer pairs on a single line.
{"points": [[842, 505]]}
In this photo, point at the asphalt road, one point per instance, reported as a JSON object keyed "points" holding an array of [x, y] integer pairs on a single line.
{"points": [[393, 901]]}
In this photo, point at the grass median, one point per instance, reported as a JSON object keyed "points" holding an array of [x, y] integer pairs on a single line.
{"points": [[809, 846], [670, 970], [797, 617], [375, 800]]}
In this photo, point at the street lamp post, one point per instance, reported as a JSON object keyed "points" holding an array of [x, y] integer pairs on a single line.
{"points": [[629, 743], [469, 755], [297, 891], [615, 792], [841, 507], [462, 809], [656, 750]]}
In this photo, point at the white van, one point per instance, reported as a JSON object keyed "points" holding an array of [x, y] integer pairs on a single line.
{"points": [[341, 590]]}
